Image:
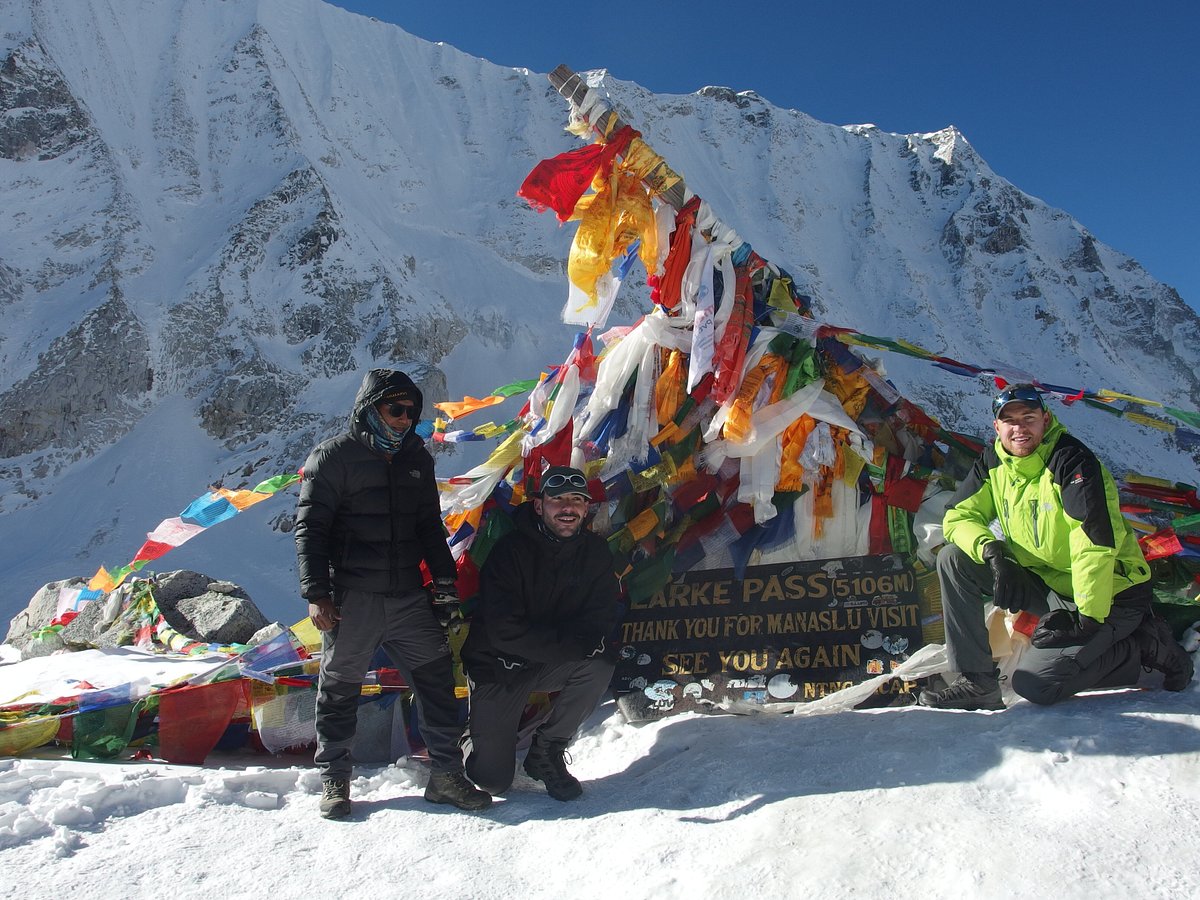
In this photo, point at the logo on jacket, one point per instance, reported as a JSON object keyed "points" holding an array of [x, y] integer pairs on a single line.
{"points": [[414, 473], [1077, 478]]}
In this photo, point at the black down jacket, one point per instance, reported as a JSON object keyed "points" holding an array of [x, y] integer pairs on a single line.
{"points": [[541, 600], [364, 522]]}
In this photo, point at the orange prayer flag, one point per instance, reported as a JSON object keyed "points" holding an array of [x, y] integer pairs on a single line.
{"points": [[466, 406], [102, 581], [240, 500]]}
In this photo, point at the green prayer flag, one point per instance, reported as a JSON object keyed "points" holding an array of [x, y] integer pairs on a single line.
{"points": [[515, 387]]}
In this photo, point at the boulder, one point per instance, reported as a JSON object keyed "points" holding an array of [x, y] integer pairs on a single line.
{"points": [[195, 605], [41, 609]]}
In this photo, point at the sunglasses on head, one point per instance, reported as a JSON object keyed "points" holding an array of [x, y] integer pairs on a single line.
{"points": [[1018, 393], [556, 481], [396, 410]]}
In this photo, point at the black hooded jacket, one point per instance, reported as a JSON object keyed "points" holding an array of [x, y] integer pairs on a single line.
{"points": [[541, 600], [363, 522]]}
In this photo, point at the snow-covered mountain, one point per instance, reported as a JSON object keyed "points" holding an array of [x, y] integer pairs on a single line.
{"points": [[219, 213]]}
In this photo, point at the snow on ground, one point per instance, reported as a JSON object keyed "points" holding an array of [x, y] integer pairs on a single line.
{"points": [[1096, 797]]}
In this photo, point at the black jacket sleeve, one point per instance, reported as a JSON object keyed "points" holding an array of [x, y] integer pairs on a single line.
{"points": [[315, 512], [431, 531]]}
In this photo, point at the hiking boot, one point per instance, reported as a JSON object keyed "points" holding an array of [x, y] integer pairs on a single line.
{"points": [[1160, 651], [545, 763], [456, 789], [971, 690], [335, 798]]}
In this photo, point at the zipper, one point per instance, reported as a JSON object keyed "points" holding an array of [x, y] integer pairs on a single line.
{"points": [[1034, 505]]}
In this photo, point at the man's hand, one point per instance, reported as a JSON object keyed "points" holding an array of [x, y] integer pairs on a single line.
{"points": [[443, 598], [323, 613], [1063, 628], [1011, 586]]}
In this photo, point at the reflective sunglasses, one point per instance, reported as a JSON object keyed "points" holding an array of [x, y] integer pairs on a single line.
{"points": [[396, 410], [556, 481], [1018, 393]]}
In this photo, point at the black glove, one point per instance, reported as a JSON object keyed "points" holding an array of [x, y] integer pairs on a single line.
{"points": [[1012, 586], [443, 598], [1063, 628]]}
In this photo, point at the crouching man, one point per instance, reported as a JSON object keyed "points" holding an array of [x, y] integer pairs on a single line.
{"points": [[1067, 556], [547, 604]]}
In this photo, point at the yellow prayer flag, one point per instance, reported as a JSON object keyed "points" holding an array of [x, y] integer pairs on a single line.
{"points": [[643, 524], [1150, 421], [1114, 395], [854, 467]]}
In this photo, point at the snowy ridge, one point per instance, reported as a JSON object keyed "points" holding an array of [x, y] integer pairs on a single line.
{"points": [[224, 212]]}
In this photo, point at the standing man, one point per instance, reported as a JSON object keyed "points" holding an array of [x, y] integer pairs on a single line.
{"points": [[367, 516], [1067, 555], [547, 605]]}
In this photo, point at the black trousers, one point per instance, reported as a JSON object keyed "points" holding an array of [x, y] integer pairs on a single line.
{"points": [[1111, 658], [406, 629], [496, 714]]}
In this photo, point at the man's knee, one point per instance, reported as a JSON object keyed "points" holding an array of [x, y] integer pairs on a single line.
{"points": [[337, 709], [1042, 688], [953, 559], [494, 774]]}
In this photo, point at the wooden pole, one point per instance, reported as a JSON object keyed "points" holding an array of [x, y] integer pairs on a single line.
{"points": [[573, 89]]}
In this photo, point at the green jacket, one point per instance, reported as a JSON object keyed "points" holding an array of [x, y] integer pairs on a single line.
{"points": [[1059, 513]]}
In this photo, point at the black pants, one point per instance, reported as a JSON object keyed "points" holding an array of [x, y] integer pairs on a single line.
{"points": [[496, 714], [1110, 659], [406, 629]]}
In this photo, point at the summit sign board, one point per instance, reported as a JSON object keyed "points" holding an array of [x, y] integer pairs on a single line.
{"points": [[782, 633]]}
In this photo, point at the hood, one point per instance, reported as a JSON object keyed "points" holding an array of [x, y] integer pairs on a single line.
{"points": [[1032, 465], [377, 384]]}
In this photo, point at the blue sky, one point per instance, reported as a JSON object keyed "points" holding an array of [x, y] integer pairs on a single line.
{"points": [[1092, 107]]}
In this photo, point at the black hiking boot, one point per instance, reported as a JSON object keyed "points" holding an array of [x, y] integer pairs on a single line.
{"points": [[1160, 651], [971, 690], [545, 763], [335, 798], [456, 789]]}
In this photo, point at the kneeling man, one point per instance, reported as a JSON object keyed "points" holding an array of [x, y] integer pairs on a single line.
{"points": [[1068, 556], [547, 605]]}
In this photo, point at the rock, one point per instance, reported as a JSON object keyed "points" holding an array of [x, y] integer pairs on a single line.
{"points": [[219, 618], [40, 611], [85, 629], [171, 587], [42, 646], [266, 633], [196, 605]]}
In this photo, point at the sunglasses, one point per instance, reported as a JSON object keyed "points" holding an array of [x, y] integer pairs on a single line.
{"points": [[557, 481], [397, 410], [1020, 393]]}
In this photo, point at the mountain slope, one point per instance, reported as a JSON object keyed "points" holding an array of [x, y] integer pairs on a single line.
{"points": [[223, 212]]}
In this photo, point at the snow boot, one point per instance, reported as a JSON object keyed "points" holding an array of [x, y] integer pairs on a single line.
{"points": [[971, 690], [335, 798], [456, 789], [545, 763], [1160, 651]]}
